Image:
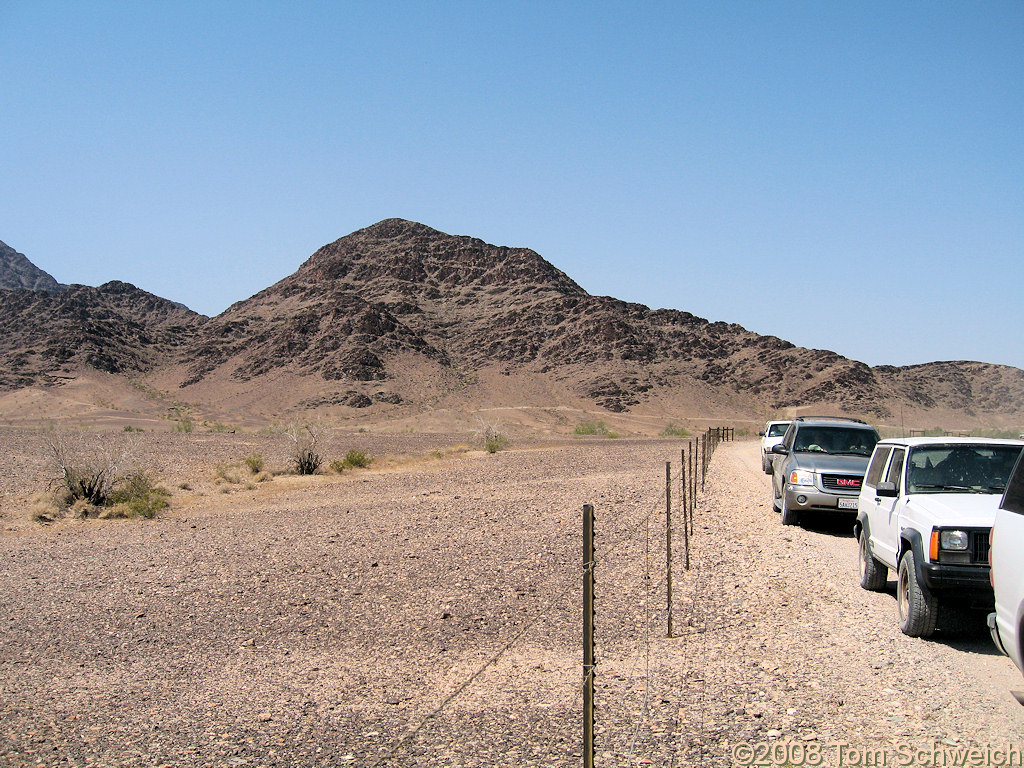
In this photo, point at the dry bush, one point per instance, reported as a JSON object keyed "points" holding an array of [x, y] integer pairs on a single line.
{"points": [[305, 439], [492, 438], [89, 466], [97, 477]]}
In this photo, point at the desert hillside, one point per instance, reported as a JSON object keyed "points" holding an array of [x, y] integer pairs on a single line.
{"points": [[402, 323]]}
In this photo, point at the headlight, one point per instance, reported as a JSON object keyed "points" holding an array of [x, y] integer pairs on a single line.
{"points": [[956, 541], [801, 477]]}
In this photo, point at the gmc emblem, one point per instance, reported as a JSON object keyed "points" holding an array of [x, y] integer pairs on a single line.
{"points": [[850, 482]]}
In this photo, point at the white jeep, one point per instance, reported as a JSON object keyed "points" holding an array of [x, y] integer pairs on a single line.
{"points": [[771, 435], [925, 511]]}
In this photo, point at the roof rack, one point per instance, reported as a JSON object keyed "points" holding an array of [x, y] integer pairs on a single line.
{"points": [[829, 418]]}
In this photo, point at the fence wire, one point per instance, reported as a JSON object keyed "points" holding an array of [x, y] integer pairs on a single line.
{"points": [[627, 730]]}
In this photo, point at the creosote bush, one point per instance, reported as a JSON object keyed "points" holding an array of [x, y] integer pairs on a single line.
{"points": [[674, 430], [495, 442], [357, 458], [254, 461], [138, 495], [354, 458], [594, 428]]}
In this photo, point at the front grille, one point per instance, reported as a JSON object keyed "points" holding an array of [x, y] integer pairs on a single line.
{"points": [[847, 483], [979, 547]]}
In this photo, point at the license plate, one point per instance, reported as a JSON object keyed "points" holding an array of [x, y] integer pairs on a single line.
{"points": [[847, 503]]}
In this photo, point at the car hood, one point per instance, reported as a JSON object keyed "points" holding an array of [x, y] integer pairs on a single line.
{"points": [[966, 509], [827, 463]]}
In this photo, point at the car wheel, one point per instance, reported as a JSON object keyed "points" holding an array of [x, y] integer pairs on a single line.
{"points": [[775, 500], [918, 607], [873, 574], [766, 464], [790, 516]]}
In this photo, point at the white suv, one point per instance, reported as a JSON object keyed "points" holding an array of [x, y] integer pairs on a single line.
{"points": [[1007, 623], [772, 434], [925, 511]]}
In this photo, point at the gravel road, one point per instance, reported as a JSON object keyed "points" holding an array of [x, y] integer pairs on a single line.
{"points": [[428, 613]]}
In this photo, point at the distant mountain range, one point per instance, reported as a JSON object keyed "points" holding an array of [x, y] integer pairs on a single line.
{"points": [[399, 317]]}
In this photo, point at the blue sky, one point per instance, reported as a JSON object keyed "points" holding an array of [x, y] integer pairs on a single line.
{"points": [[845, 175]]}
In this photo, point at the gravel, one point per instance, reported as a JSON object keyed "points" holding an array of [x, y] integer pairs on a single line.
{"points": [[427, 612]]}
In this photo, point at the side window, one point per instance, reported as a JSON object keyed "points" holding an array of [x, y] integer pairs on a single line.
{"points": [[896, 467], [788, 439], [1013, 498], [877, 465]]}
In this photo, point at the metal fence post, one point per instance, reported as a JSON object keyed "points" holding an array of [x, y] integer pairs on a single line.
{"points": [[588, 636], [686, 512], [668, 542]]}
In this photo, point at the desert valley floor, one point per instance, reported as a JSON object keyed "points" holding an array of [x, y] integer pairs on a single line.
{"points": [[426, 612]]}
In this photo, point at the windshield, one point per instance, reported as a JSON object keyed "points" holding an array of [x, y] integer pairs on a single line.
{"points": [[960, 468], [840, 440], [777, 430]]}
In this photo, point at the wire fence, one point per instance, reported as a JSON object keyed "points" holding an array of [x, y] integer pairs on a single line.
{"points": [[641, 716]]}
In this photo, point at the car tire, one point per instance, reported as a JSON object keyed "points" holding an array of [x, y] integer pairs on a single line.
{"points": [[918, 607], [790, 516], [873, 574], [775, 500], [766, 464]]}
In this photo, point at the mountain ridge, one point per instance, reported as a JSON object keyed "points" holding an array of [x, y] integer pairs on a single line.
{"points": [[399, 318]]}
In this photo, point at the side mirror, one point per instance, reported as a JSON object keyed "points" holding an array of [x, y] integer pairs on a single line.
{"points": [[887, 489], [780, 449], [760, 434]]}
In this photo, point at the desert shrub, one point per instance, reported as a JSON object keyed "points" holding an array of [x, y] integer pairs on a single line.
{"points": [[594, 428], [357, 458], [93, 480], [495, 442], [228, 473], [138, 495], [87, 469], [305, 455], [337, 466], [130, 428], [254, 461], [307, 461], [674, 430], [46, 507]]}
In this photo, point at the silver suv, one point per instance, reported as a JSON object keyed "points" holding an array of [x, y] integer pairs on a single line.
{"points": [[819, 466]]}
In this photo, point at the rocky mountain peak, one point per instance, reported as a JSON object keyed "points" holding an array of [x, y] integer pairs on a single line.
{"points": [[17, 272], [398, 257]]}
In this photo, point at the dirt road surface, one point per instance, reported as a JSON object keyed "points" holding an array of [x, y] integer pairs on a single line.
{"points": [[428, 614]]}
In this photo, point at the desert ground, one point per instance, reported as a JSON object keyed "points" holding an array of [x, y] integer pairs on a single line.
{"points": [[426, 611]]}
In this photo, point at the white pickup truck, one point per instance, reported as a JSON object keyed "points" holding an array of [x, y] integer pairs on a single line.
{"points": [[925, 511]]}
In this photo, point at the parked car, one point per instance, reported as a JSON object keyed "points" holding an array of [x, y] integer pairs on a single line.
{"points": [[1007, 622], [771, 435], [925, 512], [819, 466]]}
